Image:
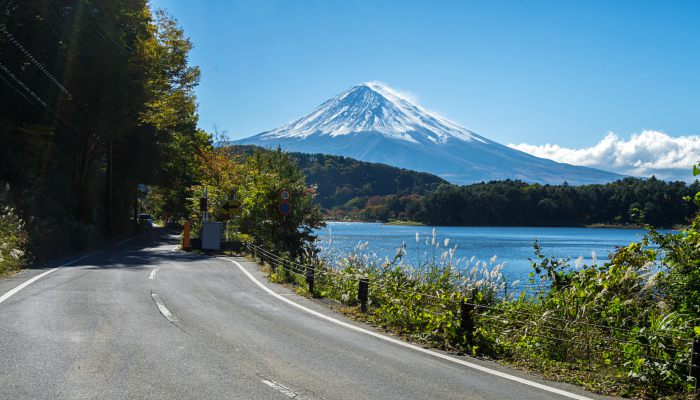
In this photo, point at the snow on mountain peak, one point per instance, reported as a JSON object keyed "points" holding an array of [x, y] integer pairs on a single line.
{"points": [[374, 107]]}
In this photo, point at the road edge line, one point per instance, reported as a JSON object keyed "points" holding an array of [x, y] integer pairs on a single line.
{"points": [[409, 345], [23, 285]]}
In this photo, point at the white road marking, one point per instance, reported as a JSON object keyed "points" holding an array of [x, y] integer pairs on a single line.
{"points": [[283, 389], [153, 273], [36, 278], [163, 309], [411, 346], [175, 248]]}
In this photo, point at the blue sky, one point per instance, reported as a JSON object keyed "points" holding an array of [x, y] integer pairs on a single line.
{"points": [[560, 72]]}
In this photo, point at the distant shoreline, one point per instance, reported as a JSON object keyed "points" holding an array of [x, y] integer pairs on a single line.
{"points": [[613, 226], [404, 223], [415, 223]]}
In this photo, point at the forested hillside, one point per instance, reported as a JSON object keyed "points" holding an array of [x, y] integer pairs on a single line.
{"points": [[513, 203], [346, 183], [97, 97], [352, 189]]}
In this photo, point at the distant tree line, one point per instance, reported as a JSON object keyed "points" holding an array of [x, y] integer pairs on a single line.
{"points": [[630, 201]]}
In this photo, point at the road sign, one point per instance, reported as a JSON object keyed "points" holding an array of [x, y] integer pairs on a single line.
{"points": [[285, 195], [284, 208], [232, 207]]}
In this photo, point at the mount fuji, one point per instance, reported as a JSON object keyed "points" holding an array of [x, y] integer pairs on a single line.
{"points": [[372, 122]]}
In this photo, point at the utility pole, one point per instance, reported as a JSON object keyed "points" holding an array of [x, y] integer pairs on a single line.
{"points": [[206, 205], [108, 199]]}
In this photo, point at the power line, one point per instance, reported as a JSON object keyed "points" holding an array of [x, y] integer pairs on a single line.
{"points": [[34, 98], [14, 41], [25, 87]]}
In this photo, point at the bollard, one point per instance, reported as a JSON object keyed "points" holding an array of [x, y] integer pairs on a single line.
{"points": [[466, 325], [362, 292], [310, 278], [695, 363], [186, 237]]}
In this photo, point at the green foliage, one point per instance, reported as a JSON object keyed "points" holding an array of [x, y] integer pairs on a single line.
{"points": [[418, 301], [268, 173], [347, 186], [256, 180], [520, 204], [13, 236], [123, 113], [681, 265]]}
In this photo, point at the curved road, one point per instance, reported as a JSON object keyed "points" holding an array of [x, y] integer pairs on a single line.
{"points": [[141, 320]]}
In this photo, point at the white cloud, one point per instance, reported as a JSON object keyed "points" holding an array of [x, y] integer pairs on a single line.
{"points": [[644, 154], [404, 94]]}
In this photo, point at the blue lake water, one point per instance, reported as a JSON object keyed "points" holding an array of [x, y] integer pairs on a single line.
{"points": [[511, 245]]}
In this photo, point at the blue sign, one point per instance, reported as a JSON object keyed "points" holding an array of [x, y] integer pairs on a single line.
{"points": [[284, 208]]}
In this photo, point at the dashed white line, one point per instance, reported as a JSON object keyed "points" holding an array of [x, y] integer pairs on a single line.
{"points": [[283, 389], [411, 346], [153, 273], [162, 308]]}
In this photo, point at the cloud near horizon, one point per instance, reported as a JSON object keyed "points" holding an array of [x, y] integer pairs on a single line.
{"points": [[643, 155]]}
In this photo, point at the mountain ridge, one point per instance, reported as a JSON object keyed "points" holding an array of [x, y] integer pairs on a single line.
{"points": [[372, 122]]}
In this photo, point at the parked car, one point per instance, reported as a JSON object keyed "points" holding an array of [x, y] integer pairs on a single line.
{"points": [[145, 220]]}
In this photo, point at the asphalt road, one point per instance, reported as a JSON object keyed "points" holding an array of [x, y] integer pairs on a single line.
{"points": [[141, 321]]}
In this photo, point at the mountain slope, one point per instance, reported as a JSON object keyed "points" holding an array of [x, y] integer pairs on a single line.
{"points": [[371, 122], [342, 179]]}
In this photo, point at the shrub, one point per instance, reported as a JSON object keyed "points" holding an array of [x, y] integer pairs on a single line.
{"points": [[13, 236]]}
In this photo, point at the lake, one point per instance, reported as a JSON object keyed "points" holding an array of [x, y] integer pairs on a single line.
{"points": [[511, 245]]}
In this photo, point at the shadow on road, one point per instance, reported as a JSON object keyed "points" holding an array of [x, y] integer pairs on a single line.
{"points": [[154, 247]]}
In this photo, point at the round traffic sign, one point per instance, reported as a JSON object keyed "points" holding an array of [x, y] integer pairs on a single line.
{"points": [[285, 195], [284, 207], [232, 207]]}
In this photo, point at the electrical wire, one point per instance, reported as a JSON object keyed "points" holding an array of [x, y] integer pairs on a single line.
{"points": [[27, 54], [25, 87]]}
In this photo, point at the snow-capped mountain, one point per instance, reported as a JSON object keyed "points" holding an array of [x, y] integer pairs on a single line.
{"points": [[372, 122]]}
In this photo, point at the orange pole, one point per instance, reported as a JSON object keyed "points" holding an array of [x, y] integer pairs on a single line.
{"points": [[186, 236]]}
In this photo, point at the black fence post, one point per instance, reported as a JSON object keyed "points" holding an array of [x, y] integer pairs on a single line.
{"points": [[362, 291], [695, 362], [310, 278], [466, 323]]}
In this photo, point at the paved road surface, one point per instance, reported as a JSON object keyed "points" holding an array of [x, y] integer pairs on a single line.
{"points": [[141, 321]]}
